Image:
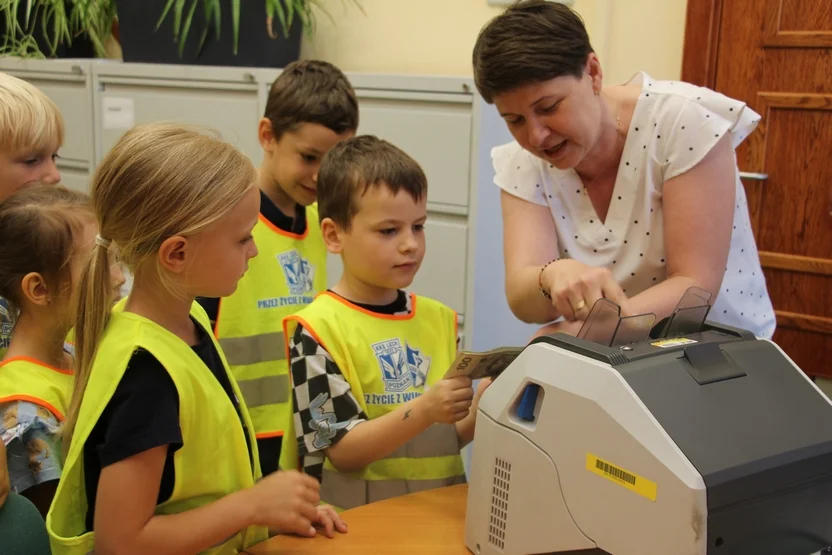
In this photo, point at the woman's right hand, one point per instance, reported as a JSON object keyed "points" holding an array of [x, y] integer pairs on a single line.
{"points": [[575, 287], [286, 502]]}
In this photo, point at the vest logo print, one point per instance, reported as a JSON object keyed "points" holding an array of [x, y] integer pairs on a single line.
{"points": [[6, 324], [402, 366], [323, 423], [300, 279]]}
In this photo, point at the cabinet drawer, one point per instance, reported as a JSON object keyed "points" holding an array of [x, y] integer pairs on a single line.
{"points": [[234, 113], [436, 134]]}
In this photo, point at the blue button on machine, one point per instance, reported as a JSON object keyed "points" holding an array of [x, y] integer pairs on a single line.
{"points": [[525, 410]]}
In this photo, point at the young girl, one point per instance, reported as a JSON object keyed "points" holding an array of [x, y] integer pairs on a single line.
{"points": [[47, 238], [162, 456]]}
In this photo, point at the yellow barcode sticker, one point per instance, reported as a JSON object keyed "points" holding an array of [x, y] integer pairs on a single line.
{"points": [[623, 478]]}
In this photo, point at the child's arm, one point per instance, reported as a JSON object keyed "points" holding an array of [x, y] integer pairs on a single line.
{"points": [[465, 427], [447, 401], [127, 492], [33, 451], [330, 427]]}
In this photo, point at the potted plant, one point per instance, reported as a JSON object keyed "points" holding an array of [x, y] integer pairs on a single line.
{"points": [[55, 28], [256, 33]]}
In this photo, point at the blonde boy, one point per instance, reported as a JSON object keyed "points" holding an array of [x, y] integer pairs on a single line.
{"points": [[31, 132], [374, 417]]}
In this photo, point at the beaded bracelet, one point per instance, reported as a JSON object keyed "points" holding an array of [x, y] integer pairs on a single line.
{"points": [[540, 278]]}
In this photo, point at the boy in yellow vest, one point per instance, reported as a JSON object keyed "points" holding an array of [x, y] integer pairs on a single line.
{"points": [[31, 132], [311, 107], [374, 417]]}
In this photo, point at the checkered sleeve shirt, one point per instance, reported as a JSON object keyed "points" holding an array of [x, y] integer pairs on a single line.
{"points": [[325, 409]]}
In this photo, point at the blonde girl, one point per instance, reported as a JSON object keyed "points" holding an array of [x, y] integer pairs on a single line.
{"points": [[162, 458], [47, 239]]}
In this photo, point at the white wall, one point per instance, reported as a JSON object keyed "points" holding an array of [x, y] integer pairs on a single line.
{"points": [[437, 36]]}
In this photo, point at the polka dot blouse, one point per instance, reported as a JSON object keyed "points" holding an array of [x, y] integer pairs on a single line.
{"points": [[674, 126]]}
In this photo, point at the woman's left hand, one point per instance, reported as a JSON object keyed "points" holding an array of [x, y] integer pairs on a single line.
{"points": [[330, 521]]}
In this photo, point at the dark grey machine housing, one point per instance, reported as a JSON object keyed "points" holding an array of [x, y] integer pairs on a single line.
{"points": [[752, 425]]}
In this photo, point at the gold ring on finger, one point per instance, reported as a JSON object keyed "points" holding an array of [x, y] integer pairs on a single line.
{"points": [[580, 305]]}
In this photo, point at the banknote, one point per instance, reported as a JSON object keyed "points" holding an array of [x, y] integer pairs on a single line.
{"points": [[478, 365]]}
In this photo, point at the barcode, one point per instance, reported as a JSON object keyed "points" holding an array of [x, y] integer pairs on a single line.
{"points": [[615, 472]]}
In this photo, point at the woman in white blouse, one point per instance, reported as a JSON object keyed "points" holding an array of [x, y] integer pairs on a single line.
{"points": [[628, 192]]}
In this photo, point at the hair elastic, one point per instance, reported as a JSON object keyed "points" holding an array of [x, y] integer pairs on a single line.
{"points": [[102, 242]]}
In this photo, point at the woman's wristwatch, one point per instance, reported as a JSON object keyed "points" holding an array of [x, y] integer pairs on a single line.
{"points": [[540, 278]]}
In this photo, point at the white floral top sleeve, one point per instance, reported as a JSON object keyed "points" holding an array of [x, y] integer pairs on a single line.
{"points": [[673, 127]]}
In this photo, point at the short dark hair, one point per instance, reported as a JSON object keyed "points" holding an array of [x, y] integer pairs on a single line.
{"points": [[311, 91], [352, 166], [531, 42]]}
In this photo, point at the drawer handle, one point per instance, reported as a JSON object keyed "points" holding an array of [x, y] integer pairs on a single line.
{"points": [[755, 176]]}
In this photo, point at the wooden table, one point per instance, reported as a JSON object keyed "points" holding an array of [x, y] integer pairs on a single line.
{"points": [[430, 522]]}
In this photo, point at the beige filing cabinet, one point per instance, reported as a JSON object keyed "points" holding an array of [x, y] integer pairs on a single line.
{"points": [[440, 121]]}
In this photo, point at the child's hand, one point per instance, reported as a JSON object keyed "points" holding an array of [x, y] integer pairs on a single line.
{"points": [[286, 502], [448, 400], [330, 521]]}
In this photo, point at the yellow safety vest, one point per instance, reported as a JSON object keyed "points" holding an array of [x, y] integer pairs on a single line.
{"points": [[6, 326], [27, 379], [206, 469], [387, 360], [287, 274], [69, 342]]}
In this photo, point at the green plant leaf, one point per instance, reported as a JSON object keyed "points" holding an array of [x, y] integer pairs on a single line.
{"points": [[217, 15], [187, 27], [164, 14], [277, 9], [28, 12], [235, 23], [212, 10], [291, 8], [177, 17]]}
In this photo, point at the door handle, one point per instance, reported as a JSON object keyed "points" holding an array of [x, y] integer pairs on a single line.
{"points": [[755, 176]]}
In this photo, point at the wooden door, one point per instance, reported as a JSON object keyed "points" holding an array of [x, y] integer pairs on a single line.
{"points": [[776, 55]]}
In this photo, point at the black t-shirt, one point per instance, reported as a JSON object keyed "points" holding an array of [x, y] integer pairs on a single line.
{"points": [[398, 306], [142, 414]]}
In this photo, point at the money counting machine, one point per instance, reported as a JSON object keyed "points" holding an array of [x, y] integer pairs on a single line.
{"points": [[683, 438]]}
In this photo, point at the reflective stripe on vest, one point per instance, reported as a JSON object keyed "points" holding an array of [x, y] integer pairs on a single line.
{"points": [[27, 379], [286, 275], [264, 347], [205, 469], [387, 361]]}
